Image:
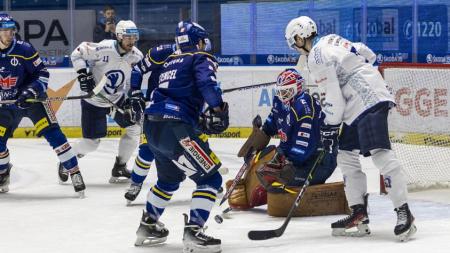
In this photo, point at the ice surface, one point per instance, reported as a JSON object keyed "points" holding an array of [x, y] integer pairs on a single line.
{"points": [[39, 215]]}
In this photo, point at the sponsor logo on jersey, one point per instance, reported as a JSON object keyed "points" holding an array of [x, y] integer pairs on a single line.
{"points": [[172, 107], [2, 131], [41, 125], [320, 80], [282, 135], [306, 125], [298, 151], [37, 62], [302, 143], [196, 152], [303, 134], [8, 82]]}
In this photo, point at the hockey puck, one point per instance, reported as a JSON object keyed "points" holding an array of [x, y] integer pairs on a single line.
{"points": [[218, 219], [223, 170]]}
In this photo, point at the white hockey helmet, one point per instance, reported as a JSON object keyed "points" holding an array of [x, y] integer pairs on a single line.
{"points": [[303, 26], [126, 28]]}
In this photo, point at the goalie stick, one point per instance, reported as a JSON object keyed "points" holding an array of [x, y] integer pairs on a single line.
{"points": [[257, 122], [94, 92], [268, 234]]}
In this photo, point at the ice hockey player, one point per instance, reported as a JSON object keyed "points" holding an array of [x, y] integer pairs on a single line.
{"points": [[24, 77], [152, 63], [296, 118], [186, 82], [113, 59], [357, 96]]}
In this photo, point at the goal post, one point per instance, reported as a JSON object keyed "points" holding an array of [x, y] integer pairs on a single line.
{"points": [[419, 125]]}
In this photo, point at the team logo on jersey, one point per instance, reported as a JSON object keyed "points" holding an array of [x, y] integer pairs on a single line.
{"points": [[302, 143], [8, 82], [115, 80], [14, 61]]}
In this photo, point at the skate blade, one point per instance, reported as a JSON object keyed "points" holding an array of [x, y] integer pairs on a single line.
{"points": [[81, 194], [148, 241], [4, 189], [361, 231], [129, 203], [118, 180], [407, 235], [195, 248]]}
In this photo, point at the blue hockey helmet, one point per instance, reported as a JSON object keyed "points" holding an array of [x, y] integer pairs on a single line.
{"points": [[189, 34], [6, 21]]}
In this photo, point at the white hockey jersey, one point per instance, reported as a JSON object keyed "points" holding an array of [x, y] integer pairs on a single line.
{"points": [[103, 58], [344, 72]]}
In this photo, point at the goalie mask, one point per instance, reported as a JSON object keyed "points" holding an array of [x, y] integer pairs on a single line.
{"points": [[289, 83]]}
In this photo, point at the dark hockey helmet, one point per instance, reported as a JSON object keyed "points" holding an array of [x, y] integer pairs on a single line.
{"points": [[289, 83], [189, 34], [7, 22]]}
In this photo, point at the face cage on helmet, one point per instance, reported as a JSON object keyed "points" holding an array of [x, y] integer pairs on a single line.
{"points": [[286, 92]]}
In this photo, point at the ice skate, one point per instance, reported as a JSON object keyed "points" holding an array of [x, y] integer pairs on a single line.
{"points": [[77, 182], [357, 219], [150, 232], [132, 192], [194, 239], [119, 173], [405, 227], [4, 180], [63, 174]]}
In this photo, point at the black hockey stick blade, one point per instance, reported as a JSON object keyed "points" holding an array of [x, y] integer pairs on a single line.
{"points": [[258, 235]]}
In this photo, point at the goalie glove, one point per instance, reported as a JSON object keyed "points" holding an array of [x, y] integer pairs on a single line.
{"points": [[215, 122], [329, 135], [279, 169]]}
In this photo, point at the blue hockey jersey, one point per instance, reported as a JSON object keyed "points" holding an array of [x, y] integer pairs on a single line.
{"points": [[20, 68], [186, 82], [152, 62], [298, 126]]}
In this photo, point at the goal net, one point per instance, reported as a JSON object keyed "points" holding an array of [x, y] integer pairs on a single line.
{"points": [[420, 125]]}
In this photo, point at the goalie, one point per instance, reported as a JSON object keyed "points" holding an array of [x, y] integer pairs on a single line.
{"points": [[296, 117]]}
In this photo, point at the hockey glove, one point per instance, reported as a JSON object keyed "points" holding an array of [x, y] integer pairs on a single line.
{"points": [[29, 93], [215, 122], [329, 135], [279, 169], [137, 104], [87, 82]]}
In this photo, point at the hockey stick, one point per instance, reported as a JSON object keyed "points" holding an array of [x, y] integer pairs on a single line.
{"points": [[268, 234], [94, 92], [257, 122], [248, 87]]}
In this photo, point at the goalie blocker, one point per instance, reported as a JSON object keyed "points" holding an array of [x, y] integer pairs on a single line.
{"points": [[278, 189]]}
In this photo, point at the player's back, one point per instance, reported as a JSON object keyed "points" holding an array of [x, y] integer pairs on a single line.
{"points": [[153, 62], [361, 84], [184, 80]]}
